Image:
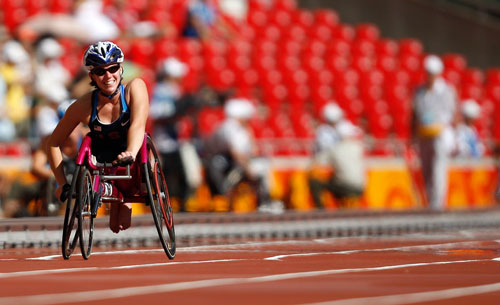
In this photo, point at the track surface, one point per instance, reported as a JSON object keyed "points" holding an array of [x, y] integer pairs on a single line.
{"points": [[441, 268]]}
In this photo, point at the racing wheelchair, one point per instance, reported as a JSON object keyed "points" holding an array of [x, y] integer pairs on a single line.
{"points": [[143, 181]]}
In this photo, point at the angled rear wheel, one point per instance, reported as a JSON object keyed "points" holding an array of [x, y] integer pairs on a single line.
{"points": [[159, 200], [70, 227]]}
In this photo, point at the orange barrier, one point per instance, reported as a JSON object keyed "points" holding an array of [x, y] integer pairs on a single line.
{"points": [[389, 187]]}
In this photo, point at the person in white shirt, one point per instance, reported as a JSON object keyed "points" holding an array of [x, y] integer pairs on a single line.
{"points": [[468, 143], [338, 145], [231, 155], [434, 110]]}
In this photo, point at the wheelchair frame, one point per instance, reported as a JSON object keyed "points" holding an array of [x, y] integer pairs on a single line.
{"points": [[144, 178]]}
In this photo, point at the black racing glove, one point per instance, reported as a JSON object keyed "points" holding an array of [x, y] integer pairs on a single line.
{"points": [[65, 192]]}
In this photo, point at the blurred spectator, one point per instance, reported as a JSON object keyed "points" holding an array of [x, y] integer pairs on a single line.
{"points": [[42, 190], [468, 143], [235, 9], [231, 157], [14, 68], [7, 128], [205, 21], [434, 108], [49, 71], [167, 106], [338, 146], [90, 15]]}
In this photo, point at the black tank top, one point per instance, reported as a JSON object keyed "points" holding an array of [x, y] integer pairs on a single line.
{"points": [[108, 140]]}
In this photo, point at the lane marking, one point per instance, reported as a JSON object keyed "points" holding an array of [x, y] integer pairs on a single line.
{"points": [[417, 297], [95, 295], [402, 248], [234, 247], [83, 269], [205, 248]]}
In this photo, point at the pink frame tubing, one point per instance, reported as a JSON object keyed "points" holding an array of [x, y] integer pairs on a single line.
{"points": [[85, 156]]}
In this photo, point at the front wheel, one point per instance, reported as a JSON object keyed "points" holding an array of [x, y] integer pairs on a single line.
{"points": [[159, 200], [84, 197]]}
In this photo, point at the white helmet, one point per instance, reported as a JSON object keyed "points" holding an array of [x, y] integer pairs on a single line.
{"points": [[471, 109], [332, 112], [102, 53]]}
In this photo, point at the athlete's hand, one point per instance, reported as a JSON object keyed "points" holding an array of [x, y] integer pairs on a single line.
{"points": [[125, 157]]}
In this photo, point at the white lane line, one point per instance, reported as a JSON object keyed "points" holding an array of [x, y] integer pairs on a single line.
{"points": [[417, 297], [57, 256], [95, 295], [204, 248], [402, 248], [66, 270]]}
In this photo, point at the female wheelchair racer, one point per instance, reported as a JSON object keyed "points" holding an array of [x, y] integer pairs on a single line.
{"points": [[116, 114]]}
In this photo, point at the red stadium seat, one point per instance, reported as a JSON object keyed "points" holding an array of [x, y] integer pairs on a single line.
{"points": [[239, 63], [363, 47], [493, 93], [315, 48], [215, 64], [371, 93], [455, 62], [279, 18], [473, 76], [257, 19], [298, 95], [165, 48], [303, 18], [61, 6], [264, 48], [339, 47], [372, 77], [363, 64], [366, 31], [387, 47], [313, 64], [324, 77], [326, 17], [410, 63], [290, 48], [14, 16], [294, 33], [208, 119], [285, 5], [239, 47], [141, 52], [344, 32], [349, 77], [493, 76], [296, 77], [35, 7], [399, 76], [386, 63], [471, 91], [337, 64], [213, 48], [264, 64], [410, 46], [453, 77], [289, 64]]}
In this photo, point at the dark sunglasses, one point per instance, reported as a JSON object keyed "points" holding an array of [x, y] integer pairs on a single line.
{"points": [[102, 71]]}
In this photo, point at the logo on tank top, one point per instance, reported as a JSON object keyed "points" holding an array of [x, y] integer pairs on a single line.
{"points": [[97, 128]]}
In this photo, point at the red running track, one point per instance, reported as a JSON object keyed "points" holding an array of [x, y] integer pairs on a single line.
{"points": [[448, 268]]}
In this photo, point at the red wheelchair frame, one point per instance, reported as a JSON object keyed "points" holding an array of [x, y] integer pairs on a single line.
{"points": [[142, 181]]}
